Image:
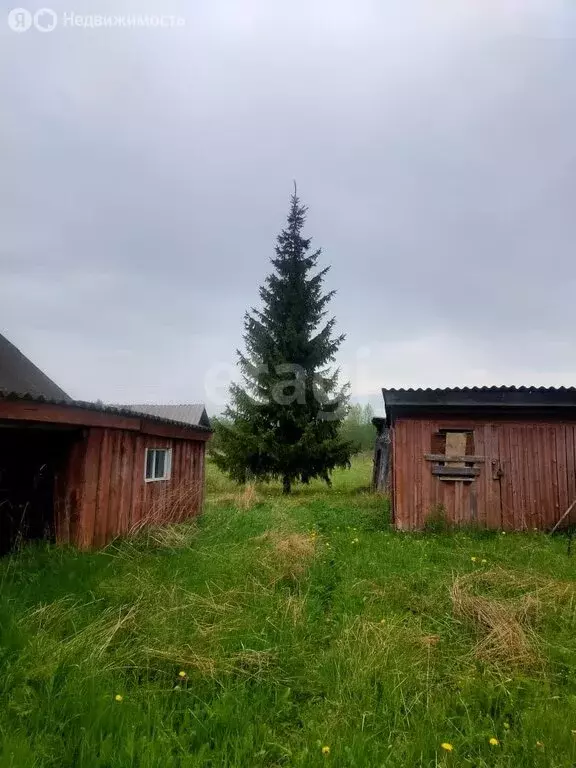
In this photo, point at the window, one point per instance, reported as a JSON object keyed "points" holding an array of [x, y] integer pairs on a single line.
{"points": [[453, 442], [158, 464], [453, 454]]}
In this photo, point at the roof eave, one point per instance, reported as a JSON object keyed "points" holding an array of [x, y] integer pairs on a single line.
{"points": [[96, 408]]}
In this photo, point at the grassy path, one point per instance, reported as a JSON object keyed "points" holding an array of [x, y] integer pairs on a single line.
{"points": [[297, 624]]}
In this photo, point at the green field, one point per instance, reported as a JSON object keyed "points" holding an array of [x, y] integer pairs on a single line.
{"points": [[298, 623]]}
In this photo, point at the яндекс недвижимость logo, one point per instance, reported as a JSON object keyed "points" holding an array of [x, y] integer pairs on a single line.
{"points": [[21, 20], [46, 19]]}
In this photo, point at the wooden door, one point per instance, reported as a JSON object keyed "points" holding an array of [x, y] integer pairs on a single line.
{"points": [[536, 461], [465, 472], [486, 493]]}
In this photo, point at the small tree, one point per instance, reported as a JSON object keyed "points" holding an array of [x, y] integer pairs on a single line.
{"points": [[358, 428], [283, 422]]}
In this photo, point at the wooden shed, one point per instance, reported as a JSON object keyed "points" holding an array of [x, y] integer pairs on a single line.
{"points": [[84, 473], [496, 457], [381, 468]]}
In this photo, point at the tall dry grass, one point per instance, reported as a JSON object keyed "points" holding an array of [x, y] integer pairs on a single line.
{"points": [[295, 625], [505, 607], [175, 504]]}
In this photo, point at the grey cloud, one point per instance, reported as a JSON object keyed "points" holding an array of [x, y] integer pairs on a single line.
{"points": [[146, 174]]}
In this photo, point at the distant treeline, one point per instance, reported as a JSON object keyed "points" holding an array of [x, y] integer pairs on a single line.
{"points": [[356, 426]]}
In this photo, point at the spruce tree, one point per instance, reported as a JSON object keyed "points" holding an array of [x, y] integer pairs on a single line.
{"points": [[284, 420]]}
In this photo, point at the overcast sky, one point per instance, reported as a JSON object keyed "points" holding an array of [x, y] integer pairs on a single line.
{"points": [[145, 174]]}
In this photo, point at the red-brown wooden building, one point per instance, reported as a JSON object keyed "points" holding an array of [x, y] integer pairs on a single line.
{"points": [[496, 457], [84, 473]]}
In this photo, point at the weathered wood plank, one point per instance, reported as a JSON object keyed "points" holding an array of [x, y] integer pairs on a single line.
{"points": [[126, 459], [570, 464], [554, 511], [113, 516], [49, 413], [460, 473], [563, 499], [24, 410], [455, 446], [161, 429], [464, 458], [103, 492], [89, 490], [68, 486], [138, 482]]}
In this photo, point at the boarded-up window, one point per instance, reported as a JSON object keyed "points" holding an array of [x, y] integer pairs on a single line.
{"points": [[453, 442], [438, 445], [449, 449]]}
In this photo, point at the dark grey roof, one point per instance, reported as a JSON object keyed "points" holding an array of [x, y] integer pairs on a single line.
{"points": [[120, 410], [185, 413], [20, 376], [404, 401], [20, 379]]}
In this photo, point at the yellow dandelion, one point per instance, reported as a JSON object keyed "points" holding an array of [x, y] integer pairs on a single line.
{"points": [[539, 744], [473, 559], [447, 746], [181, 673], [326, 750], [118, 697], [494, 742]]}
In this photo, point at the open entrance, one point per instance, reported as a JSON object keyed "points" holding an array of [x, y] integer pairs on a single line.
{"points": [[30, 460]]}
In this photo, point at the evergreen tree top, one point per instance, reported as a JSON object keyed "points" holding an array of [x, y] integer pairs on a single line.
{"points": [[284, 421]]}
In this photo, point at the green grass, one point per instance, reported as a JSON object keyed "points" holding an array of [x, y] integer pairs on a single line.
{"points": [[300, 622]]}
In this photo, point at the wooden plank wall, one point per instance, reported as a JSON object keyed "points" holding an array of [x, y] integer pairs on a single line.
{"points": [[68, 485], [103, 493], [527, 480]]}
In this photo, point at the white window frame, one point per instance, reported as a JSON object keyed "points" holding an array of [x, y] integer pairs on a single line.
{"points": [[167, 464]]}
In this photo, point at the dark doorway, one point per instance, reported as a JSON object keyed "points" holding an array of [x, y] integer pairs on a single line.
{"points": [[30, 459]]}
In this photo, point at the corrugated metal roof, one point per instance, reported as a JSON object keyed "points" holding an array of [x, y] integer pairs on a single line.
{"points": [[18, 374], [186, 413], [119, 410], [404, 400], [20, 379], [498, 388]]}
